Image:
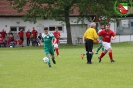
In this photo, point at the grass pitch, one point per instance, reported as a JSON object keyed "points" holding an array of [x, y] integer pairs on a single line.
{"points": [[23, 68]]}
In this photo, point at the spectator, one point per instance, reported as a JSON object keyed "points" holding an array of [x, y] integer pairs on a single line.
{"points": [[2, 41], [10, 33], [21, 35], [12, 43], [33, 40], [4, 35], [28, 35], [39, 39], [34, 36]]}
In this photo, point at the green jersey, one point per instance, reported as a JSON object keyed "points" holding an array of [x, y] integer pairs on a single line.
{"points": [[47, 38]]}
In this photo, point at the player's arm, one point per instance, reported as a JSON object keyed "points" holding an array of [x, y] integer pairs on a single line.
{"points": [[59, 35], [113, 36], [96, 36], [84, 37], [54, 41]]}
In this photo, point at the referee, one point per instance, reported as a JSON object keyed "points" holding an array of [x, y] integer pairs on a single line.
{"points": [[90, 36]]}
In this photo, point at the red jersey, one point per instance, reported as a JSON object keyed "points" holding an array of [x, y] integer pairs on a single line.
{"points": [[28, 34], [3, 33], [21, 34], [34, 33], [106, 35], [57, 36], [1, 39]]}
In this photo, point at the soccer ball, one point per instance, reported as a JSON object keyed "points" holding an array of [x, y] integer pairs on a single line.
{"points": [[11, 47], [45, 60]]}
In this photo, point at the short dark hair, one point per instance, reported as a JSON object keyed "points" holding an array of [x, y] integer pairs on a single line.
{"points": [[107, 24], [46, 28]]}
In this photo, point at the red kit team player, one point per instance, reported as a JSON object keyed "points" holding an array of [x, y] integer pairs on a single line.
{"points": [[57, 36], [21, 35], [107, 35]]}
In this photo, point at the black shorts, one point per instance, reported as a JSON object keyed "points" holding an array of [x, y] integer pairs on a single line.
{"points": [[89, 45]]}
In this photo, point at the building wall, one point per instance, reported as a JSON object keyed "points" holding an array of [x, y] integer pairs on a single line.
{"points": [[7, 22]]}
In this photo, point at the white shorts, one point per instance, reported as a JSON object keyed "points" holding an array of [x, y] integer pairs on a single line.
{"points": [[106, 45], [55, 45]]}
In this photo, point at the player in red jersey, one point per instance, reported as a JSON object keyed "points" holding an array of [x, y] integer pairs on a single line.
{"points": [[21, 35], [57, 36], [107, 35]]}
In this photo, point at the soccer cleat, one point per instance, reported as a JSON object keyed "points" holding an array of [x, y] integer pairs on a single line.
{"points": [[112, 61], [54, 61], [49, 65], [82, 56], [89, 63], [99, 59], [96, 52]]}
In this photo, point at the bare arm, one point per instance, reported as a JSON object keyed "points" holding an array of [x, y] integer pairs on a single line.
{"points": [[83, 39]]}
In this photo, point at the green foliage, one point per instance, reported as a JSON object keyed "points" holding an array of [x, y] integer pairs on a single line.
{"points": [[56, 9]]}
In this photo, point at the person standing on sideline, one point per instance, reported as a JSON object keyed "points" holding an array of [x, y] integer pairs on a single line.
{"points": [[39, 38], [34, 36], [90, 36], [107, 35], [100, 37], [48, 37], [4, 35], [28, 35], [57, 36], [21, 35]]}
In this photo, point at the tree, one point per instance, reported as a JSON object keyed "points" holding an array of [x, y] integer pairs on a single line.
{"points": [[61, 9]]}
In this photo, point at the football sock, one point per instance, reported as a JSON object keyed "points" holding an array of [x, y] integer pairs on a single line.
{"points": [[57, 51], [49, 62], [98, 49], [91, 56], [102, 54], [110, 55], [102, 48]]}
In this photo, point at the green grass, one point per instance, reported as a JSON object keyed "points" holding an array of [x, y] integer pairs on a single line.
{"points": [[23, 68]]}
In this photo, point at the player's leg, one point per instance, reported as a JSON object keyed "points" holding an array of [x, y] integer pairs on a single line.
{"points": [[100, 46], [47, 52], [89, 53], [106, 47], [56, 49], [110, 54], [83, 54], [52, 54]]}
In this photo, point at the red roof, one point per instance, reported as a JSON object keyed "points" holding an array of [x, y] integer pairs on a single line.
{"points": [[6, 9]]}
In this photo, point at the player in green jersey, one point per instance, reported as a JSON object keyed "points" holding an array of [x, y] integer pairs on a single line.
{"points": [[47, 39], [100, 38]]}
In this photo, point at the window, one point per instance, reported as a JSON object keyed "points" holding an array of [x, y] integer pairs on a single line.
{"points": [[124, 27], [53, 28], [13, 29], [60, 28]]}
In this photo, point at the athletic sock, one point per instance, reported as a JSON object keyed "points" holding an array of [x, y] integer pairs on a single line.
{"points": [[91, 56], [102, 48], [49, 62], [102, 54], [110, 55], [97, 50], [57, 51]]}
